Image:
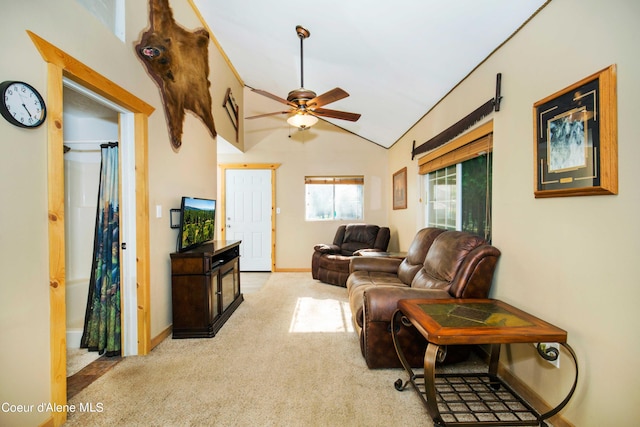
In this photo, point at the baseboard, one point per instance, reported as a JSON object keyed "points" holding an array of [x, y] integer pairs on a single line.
{"points": [[292, 270], [74, 337], [161, 337], [526, 392]]}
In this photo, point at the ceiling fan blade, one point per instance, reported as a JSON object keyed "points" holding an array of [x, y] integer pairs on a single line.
{"points": [[267, 115], [342, 115], [274, 97], [328, 97]]}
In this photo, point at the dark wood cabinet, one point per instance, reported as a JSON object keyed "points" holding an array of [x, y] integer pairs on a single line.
{"points": [[205, 288]]}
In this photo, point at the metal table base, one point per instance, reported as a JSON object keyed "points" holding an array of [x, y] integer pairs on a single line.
{"points": [[474, 399]]}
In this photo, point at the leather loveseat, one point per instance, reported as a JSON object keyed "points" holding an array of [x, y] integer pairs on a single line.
{"points": [[330, 263], [439, 264]]}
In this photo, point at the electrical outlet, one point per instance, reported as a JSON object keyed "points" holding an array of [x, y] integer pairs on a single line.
{"points": [[550, 351]]}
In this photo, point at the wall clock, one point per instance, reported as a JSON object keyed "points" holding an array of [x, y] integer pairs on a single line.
{"points": [[21, 105]]}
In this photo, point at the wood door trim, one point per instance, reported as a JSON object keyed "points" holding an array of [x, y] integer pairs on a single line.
{"points": [[59, 65]]}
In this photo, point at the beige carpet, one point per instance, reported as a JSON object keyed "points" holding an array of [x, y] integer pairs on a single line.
{"points": [[287, 357]]}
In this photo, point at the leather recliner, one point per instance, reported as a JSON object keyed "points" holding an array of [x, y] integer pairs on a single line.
{"points": [[330, 263], [439, 264]]}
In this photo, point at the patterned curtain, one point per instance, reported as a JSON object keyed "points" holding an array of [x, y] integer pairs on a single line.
{"points": [[102, 318]]}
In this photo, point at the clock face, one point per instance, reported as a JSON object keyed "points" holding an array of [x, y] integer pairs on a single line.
{"points": [[21, 104]]}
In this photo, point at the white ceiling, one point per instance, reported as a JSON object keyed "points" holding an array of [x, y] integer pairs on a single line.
{"points": [[396, 59]]}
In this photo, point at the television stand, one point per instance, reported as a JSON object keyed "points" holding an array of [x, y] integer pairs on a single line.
{"points": [[205, 288]]}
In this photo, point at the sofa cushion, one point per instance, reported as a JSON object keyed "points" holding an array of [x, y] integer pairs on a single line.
{"points": [[348, 248], [360, 281]]}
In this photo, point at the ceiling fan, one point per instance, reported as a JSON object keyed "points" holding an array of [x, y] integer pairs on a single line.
{"points": [[305, 105]]}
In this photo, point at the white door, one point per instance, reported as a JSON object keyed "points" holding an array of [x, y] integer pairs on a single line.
{"points": [[248, 216]]}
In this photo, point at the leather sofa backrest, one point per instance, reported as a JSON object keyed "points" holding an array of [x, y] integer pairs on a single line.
{"points": [[460, 263], [339, 237], [382, 239], [417, 253], [352, 237]]}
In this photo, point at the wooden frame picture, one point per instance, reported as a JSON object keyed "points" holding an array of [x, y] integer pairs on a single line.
{"points": [[576, 139], [400, 189]]}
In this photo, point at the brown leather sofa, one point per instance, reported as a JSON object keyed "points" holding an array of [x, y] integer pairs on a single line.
{"points": [[330, 263], [439, 264]]}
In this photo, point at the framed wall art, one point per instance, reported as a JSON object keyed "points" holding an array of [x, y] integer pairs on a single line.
{"points": [[576, 139], [400, 189]]}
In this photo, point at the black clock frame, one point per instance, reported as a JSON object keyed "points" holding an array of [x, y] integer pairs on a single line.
{"points": [[8, 116]]}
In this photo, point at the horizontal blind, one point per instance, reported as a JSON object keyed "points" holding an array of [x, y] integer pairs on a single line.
{"points": [[431, 162], [465, 147], [331, 180]]}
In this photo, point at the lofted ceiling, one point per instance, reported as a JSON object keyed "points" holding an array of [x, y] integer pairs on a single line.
{"points": [[396, 59]]}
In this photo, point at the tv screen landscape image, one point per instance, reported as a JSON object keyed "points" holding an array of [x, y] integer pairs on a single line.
{"points": [[197, 222]]}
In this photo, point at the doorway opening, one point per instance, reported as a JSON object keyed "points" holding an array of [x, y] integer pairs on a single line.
{"points": [[90, 121]]}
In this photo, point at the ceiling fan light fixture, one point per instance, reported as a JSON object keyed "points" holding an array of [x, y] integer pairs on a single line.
{"points": [[302, 120], [305, 104]]}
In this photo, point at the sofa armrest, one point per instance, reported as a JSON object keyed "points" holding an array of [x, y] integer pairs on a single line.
{"points": [[382, 264], [327, 249], [381, 303]]}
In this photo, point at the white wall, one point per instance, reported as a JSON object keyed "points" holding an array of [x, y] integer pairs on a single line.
{"points": [[82, 177], [570, 261]]}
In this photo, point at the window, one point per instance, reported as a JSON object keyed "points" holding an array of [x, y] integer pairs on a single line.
{"points": [[457, 183], [442, 198], [334, 198], [459, 197]]}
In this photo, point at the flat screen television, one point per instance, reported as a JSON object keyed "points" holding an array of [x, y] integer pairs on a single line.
{"points": [[197, 222]]}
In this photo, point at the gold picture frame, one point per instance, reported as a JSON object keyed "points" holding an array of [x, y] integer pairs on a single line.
{"points": [[576, 139], [400, 189]]}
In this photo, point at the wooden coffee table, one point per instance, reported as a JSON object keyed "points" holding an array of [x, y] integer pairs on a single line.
{"points": [[478, 398]]}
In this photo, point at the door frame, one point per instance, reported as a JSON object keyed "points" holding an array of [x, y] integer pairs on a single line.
{"points": [[223, 199], [59, 65]]}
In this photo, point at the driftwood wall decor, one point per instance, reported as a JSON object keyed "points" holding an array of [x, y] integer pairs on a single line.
{"points": [[178, 61]]}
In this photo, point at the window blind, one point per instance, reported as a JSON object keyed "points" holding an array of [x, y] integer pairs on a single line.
{"points": [[334, 180], [473, 144]]}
